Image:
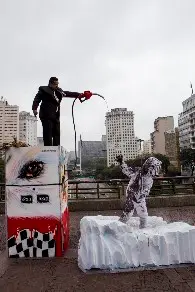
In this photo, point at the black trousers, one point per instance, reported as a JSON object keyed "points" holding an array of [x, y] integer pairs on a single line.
{"points": [[51, 132]]}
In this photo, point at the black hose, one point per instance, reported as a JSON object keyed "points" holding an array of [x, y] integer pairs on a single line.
{"points": [[75, 133]]}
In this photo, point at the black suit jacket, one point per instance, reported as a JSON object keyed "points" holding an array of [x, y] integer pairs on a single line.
{"points": [[50, 105]]}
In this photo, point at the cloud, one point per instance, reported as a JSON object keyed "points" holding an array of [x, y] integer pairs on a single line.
{"points": [[138, 54]]}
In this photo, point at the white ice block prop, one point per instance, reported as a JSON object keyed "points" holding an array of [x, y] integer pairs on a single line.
{"points": [[107, 243]]}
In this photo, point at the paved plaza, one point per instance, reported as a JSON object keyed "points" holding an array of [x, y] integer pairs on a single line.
{"points": [[63, 274]]}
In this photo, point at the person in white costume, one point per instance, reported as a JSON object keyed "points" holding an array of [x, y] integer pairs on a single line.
{"points": [[139, 187]]}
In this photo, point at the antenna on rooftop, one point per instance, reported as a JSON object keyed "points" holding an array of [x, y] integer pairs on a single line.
{"points": [[192, 89]]}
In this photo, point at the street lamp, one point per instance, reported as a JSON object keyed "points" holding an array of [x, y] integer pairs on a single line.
{"points": [[192, 167], [140, 147]]}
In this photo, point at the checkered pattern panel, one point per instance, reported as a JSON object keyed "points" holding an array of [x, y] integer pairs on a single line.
{"points": [[39, 245], [44, 245], [22, 246]]}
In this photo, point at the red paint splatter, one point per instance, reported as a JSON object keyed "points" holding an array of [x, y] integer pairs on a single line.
{"points": [[60, 229]]}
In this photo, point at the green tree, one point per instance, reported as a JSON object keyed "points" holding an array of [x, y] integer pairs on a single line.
{"points": [[173, 171], [93, 163], [165, 161], [139, 161], [107, 173], [187, 156], [101, 171]]}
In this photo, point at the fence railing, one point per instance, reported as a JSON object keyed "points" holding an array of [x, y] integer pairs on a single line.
{"points": [[115, 189], [104, 189], [88, 189], [2, 192]]}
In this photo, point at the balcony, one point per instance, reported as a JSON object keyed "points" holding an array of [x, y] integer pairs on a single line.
{"points": [[192, 121], [192, 115], [192, 140]]}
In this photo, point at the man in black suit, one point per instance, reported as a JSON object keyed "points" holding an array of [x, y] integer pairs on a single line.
{"points": [[50, 97]]}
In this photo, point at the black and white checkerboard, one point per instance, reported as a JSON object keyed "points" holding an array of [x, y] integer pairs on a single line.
{"points": [[43, 244], [36, 245], [22, 246]]}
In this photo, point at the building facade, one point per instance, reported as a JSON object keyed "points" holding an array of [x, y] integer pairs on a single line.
{"points": [[120, 135], [161, 125], [171, 146], [186, 124], [147, 149], [103, 138], [28, 128], [40, 141], [92, 149], [9, 122], [71, 155]]}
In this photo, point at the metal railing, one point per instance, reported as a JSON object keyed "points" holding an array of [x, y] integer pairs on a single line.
{"points": [[2, 192], [106, 189], [115, 188], [99, 189]]}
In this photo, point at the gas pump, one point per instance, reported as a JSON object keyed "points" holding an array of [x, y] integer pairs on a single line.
{"points": [[36, 202]]}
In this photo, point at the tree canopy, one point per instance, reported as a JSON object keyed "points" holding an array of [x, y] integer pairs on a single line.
{"points": [[100, 170], [138, 161], [187, 156]]}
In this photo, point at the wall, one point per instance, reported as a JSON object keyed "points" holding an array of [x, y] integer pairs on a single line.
{"points": [[161, 125], [171, 147]]}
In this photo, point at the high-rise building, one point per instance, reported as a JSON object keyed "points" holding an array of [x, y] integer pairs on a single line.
{"points": [[71, 155], [9, 122], [40, 141], [161, 125], [28, 128], [147, 147], [92, 149], [186, 123], [120, 135], [103, 138], [171, 146]]}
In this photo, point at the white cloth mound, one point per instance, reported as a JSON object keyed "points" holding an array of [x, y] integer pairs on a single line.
{"points": [[107, 243]]}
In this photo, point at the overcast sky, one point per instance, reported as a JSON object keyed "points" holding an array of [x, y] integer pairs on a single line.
{"points": [[139, 54]]}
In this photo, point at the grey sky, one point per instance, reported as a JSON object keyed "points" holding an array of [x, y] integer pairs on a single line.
{"points": [[138, 54]]}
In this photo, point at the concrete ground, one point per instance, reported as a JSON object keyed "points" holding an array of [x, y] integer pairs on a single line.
{"points": [[64, 275]]}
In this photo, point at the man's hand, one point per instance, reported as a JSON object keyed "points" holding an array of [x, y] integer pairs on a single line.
{"points": [[119, 159], [86, 95], [35, 112]]}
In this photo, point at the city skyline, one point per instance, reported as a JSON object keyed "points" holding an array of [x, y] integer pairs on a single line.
{"points": [[27, 128], [145, 136], [25, 119]]}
